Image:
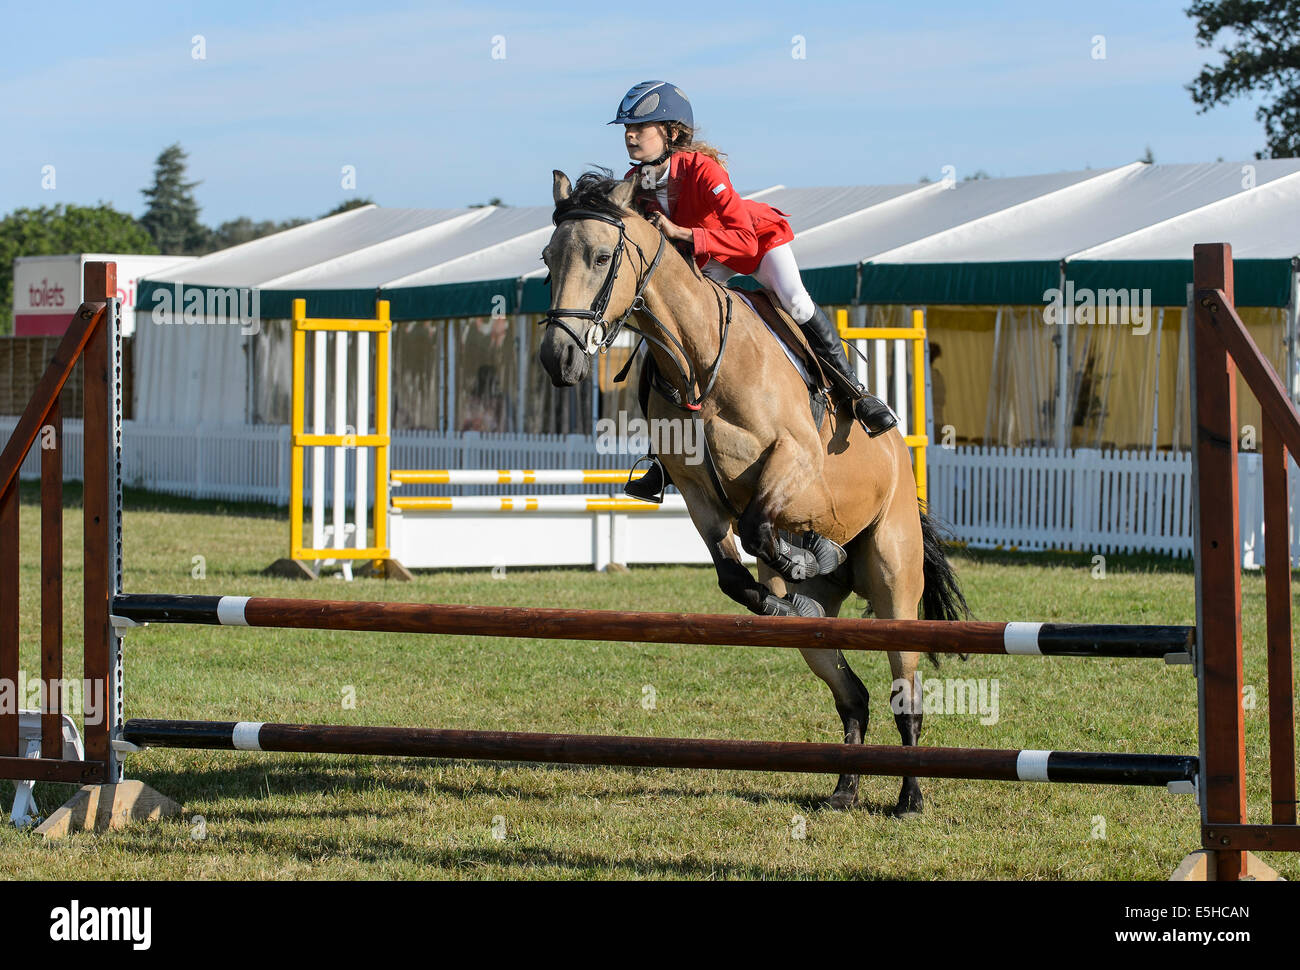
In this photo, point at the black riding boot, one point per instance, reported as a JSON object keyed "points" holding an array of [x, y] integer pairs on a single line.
{"points": [[650, 486], [876, 416]]}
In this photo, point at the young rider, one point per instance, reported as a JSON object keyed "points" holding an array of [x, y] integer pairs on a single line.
{"points": [[685, 191]]}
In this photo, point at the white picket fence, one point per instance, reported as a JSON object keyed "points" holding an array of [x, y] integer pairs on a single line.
{"points": [[1088, 500], [1024, 498]]}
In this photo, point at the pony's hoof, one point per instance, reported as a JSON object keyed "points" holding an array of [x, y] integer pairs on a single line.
{"points": [[842, 801], [909, 805], [796, 605], [830, 555]]}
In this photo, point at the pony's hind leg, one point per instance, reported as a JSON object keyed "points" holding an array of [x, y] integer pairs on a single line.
{"points": [[905, 702], [851, 698], [890, 572]]}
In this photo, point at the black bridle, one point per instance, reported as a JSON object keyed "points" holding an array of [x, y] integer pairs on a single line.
{"points": [[602, 333]]}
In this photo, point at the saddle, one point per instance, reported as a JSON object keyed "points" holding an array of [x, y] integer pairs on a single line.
{"points": [[818, 378]]}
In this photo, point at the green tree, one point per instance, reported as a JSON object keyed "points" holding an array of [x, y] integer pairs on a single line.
{"points": [[1260, 58], [173, 216], [52, 230], [347, 206], [244, 229]]}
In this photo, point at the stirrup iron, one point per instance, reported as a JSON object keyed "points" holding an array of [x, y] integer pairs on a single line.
{"points": [[650, 486]]}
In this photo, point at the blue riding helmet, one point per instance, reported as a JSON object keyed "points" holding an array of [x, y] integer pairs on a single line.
{"points": [[654, 101]]}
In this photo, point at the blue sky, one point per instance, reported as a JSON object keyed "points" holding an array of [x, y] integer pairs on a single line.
{"points": [[410, 94]]}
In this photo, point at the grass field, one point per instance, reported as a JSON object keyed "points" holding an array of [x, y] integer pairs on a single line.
{"points": [[266, 816]]}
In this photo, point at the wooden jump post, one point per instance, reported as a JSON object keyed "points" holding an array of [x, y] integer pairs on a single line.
{"points": [[1215, 644], [1221, 345], [94, 338]]}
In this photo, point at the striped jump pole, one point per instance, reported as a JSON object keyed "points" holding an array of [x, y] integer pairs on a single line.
{"points": [[921, 762], [534, 503], [513, 476], [1172, 643]]}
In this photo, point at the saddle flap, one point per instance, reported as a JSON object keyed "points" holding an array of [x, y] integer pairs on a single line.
{"points": [[789, 333]]}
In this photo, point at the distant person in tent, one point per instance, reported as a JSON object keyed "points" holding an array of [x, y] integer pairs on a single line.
{"points": [[686, 193]]}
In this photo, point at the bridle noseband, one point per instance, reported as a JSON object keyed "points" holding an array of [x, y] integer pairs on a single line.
{"points": [[602, 334]]}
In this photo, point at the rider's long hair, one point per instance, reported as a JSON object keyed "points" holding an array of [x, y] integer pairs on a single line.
{"points": [[681, 138]]}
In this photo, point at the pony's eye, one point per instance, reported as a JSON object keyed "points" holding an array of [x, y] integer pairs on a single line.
{"points": [[602, 259]]}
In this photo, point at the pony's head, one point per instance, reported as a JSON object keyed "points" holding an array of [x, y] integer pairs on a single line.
{"points": [[593, 282]]}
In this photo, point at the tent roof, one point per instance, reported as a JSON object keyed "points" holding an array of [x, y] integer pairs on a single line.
{"points": [[1001, 241]]}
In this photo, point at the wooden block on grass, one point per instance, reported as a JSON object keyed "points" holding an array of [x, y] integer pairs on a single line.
{"points": [[289, 569], [97, 808], [1199, 867]]}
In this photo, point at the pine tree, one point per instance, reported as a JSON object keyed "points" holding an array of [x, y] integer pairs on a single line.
{"points": [[173, 214]]}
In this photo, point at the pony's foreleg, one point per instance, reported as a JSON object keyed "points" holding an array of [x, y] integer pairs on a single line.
{"points": [[785, 476], [735, 579]]}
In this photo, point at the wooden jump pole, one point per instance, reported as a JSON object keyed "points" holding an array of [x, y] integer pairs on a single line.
{"points": [[584, 749], [926, 636]]}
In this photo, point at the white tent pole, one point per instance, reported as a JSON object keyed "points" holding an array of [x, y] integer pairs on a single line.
{"points": [[1155, 397], [860, 358], [993, 410], [521, 351], [1293, 334], [448, 328], [1063, 371], [880, 386]]}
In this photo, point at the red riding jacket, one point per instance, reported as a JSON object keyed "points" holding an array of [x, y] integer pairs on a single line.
{"points": [[736, 232]]}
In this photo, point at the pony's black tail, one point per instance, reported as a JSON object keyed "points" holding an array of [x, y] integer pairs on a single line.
{"points": [[942, 598]]}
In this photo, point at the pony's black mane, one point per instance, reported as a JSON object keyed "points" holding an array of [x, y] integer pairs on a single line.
{"points": [[591, 191]]}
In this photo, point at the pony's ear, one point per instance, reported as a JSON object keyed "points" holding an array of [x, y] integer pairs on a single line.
{"points": [[622, 194], [563, 188]]}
